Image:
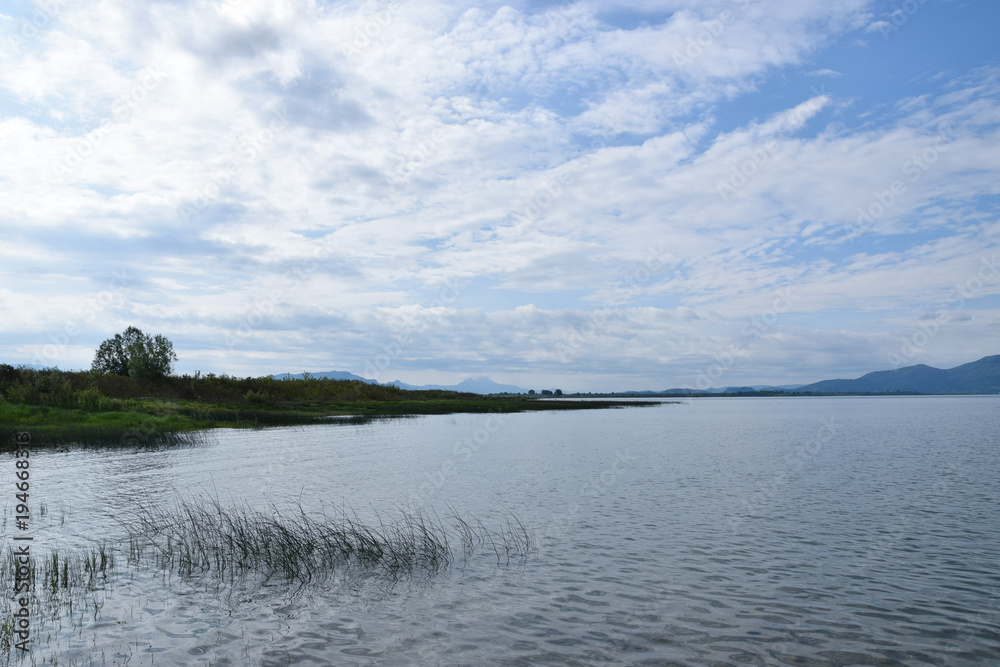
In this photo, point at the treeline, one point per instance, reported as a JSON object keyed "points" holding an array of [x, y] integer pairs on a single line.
{"points": [[92, 391]]}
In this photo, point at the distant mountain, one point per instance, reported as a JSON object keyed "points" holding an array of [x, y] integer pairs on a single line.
{"points": [[482, 385], [977, 377], [325, 375], [730, 390]]}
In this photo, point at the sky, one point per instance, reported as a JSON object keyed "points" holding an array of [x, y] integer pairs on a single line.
{"points": [[584, 195]]}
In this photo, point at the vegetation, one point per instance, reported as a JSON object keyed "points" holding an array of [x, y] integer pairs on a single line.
{"points": [[201, 535], [61, 407], [66, 588], [135, 354]]}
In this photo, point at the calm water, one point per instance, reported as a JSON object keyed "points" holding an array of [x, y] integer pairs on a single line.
{"points": [[809, 531]]}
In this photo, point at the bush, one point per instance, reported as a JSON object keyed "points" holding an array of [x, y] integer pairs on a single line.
{"points": [[89, 398], [40, 387], [256, 396], [21, 393]]}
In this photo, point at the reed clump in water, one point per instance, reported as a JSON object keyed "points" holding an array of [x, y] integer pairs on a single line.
{"points": [[62, 587], [54, 572], [203, 535]]}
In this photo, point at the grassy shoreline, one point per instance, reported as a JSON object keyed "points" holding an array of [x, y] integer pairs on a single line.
{"points": [[61, 408]]}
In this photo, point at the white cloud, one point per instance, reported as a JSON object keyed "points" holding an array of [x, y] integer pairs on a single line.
{"points": [[538, 156]]}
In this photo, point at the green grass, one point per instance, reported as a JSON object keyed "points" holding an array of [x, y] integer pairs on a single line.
{"points": [[72, 408]]}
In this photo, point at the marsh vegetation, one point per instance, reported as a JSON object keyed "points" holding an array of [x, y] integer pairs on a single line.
{"points": [[204, 542], [202, 535], [63, 407]]}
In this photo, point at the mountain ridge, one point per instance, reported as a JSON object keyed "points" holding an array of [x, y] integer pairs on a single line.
{"points": [[472, 385], [976, 377]]}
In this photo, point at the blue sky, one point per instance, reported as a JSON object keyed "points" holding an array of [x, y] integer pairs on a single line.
{"points": [[576, 195]]}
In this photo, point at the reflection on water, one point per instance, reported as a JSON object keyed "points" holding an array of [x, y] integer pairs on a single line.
{"points": [[839, 531]]}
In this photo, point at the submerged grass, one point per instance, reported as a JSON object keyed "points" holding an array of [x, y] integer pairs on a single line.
{"points": [[202, 535]]}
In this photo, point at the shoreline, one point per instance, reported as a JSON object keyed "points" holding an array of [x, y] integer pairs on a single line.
{"points": [[71, 408]]}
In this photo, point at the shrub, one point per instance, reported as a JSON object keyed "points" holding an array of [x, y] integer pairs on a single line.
{"points": [[256, 396]]}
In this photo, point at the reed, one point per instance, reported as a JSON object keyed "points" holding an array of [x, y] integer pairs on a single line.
{"points": [[202, 535], [54, 572], [64, 588]]}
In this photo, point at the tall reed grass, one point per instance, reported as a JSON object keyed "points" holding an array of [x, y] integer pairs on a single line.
{"points": [[200, 534]]}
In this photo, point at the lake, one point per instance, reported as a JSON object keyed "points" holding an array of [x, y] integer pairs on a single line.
{"points": [[716, 531]]}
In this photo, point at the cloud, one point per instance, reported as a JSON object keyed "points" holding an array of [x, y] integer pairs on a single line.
{"points": [[360, 159]]}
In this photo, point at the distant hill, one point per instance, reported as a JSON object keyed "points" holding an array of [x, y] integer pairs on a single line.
{"points": [[729, 390], [977, 377], [482, 385], [325, 375]]}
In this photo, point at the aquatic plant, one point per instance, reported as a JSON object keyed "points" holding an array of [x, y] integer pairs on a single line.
{"points": [[63, 589], [201, 534]]}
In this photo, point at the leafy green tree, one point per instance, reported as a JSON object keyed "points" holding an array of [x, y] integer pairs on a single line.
{"points": [[135, 354]]}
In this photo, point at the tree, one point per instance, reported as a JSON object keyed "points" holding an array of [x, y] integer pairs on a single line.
{"points": [[135, 354]]}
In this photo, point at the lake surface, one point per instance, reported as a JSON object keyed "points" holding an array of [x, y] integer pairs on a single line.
{"points": [[793, 531]]}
